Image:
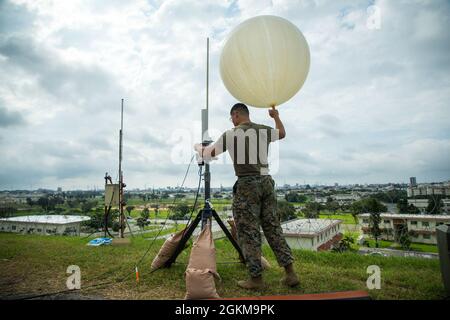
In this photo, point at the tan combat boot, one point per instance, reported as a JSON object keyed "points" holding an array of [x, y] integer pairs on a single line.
{"points": [[255, 283], [290, 279]]}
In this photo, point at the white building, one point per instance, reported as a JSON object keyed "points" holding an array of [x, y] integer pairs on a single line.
{"points": [[346, 197], [312, 234], [422, 205], [43, 224], [425, 190], [424, 226]]}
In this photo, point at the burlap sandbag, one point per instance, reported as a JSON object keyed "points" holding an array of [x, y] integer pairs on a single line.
{"points": [[264, 262], [203, 252], [167, 249], [200, 284]]}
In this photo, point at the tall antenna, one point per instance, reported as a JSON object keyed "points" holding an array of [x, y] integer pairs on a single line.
{"points": [[121, 184], [206, 140], [207, 73]]}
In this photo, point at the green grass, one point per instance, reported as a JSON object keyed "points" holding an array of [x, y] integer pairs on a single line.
{"points": [[345, 217], [37, 264], [420, 247], [163, 232]]}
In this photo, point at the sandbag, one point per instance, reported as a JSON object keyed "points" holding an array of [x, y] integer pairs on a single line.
{"points": [[200, 284], [203, 252], [167, 250], [264, 262]]}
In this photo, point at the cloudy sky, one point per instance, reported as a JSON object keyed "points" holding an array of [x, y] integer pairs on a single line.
{"points": [[374, 109]]}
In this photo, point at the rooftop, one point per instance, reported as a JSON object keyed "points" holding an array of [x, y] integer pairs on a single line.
{"points": [[308, 227], [53, 219], [410, 216]]}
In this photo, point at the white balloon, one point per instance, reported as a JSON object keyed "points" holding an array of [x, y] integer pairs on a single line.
{"points": [[265, 61]]}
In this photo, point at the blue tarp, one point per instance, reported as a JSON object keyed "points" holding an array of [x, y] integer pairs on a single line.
{"points": [[100, 242]]}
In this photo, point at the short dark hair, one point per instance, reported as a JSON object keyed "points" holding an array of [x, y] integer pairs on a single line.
{"points": [[241, 108]]}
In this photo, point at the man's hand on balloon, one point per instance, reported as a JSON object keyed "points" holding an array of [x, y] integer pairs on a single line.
{"points": [[273, 113]]}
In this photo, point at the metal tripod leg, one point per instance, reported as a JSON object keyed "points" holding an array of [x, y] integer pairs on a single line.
{"points": [[228, 234], [191, 229]]}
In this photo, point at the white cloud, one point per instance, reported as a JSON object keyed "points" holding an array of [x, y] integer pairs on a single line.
{"points": [[374, 108]]}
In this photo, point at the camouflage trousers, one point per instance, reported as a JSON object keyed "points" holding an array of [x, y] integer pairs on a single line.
{"points": [[255, 206]]}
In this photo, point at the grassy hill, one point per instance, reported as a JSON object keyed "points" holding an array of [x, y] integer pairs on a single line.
{"points": [[31, 264]]}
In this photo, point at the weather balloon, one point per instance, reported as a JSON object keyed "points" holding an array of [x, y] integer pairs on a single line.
{"points": [[265, 61]]}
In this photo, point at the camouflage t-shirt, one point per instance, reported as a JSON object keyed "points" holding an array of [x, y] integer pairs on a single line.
{"points": [[248, 146]]}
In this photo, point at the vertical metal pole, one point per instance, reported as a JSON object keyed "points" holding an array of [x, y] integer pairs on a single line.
{"points": [[206, 141], [121, 215], [207, 74]]}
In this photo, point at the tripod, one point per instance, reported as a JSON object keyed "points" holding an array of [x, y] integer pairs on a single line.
{"points": [[203, 215]]}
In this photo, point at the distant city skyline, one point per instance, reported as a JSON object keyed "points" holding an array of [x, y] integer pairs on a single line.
{"points": [[174, 187]]}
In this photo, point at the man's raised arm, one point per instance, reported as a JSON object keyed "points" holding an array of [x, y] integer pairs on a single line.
{"points": [[278, 124]]}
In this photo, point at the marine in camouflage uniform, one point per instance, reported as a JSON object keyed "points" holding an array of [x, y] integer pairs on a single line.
{"points": [[254, 197], [255, 205]]}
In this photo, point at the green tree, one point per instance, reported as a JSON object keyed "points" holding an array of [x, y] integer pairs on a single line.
{"points": [[145, 214], [295, 197], [165, 195], [391, 196], [402, 206], [180, 211], [115, 226], [412, 209], [153, 196], [88, 205], [7, 211], [403, 236], [30, 202], [345, 244], [435, 204], [141, 222], [98, 219], [312, 210], [374, 207], [285, 211], [129, 209], [332, 205], [366, 205], [374, 226], [73, 203]]}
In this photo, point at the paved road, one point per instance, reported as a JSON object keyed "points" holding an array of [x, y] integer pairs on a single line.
{"points": [[398, 253]]}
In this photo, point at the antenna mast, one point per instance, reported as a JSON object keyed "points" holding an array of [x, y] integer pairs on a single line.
{"points": [[206, 140], [121, 184]]}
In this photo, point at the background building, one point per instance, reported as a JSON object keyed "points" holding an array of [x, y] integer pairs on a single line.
{"points": [[312, 234], [43, 224], [424, 226]]}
